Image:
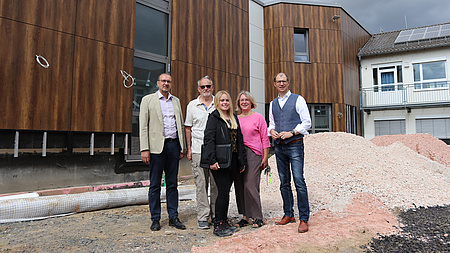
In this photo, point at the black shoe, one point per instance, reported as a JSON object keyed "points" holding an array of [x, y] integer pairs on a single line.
{"points": [[155, 226], [231, 228], [176, 223], [242, 223], [221, 230]]}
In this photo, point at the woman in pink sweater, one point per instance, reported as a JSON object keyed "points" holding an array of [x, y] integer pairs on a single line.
{"points": [[256, 142]]}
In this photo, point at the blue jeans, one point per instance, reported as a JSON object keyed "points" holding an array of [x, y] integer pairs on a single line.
{"points": [[293, 155], [168, 162]]}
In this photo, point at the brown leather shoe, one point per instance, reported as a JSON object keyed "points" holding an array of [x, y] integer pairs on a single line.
{"points": [[285, 220], [303, 226]]}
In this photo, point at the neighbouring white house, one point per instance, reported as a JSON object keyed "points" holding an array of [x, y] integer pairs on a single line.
{"points": [[405, 82]]}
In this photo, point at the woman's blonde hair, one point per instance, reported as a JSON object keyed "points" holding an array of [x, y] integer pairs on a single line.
{"points": [[229, 113], [249, 96]]}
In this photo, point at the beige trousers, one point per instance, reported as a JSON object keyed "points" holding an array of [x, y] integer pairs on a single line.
{"points": [[203, 179]]}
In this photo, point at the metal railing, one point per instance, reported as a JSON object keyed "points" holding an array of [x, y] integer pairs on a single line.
{"points": [[405, 95]]}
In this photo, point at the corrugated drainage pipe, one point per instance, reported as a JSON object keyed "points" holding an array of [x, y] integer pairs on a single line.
{"points": [[35, 208]]}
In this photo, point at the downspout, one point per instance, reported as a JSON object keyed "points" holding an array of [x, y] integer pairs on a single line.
{"points": [[361, 97]]}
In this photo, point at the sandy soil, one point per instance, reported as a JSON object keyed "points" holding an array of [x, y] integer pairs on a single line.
{"points": [[355, 188]]}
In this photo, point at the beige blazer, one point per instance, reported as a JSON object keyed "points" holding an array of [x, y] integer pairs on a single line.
{"points": [[151, 128]]}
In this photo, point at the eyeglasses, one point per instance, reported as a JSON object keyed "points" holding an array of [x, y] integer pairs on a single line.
{"points": [[165, 81], [205, 86], [281, 81]]}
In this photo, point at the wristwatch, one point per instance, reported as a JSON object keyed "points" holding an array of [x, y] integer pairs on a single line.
{"points": [[292, 132]]}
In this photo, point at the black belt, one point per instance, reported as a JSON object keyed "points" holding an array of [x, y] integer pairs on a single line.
{"points": [[294, 141], [170, 139]]}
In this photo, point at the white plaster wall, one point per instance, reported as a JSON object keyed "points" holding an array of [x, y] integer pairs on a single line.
{"points": [[256, 47]]}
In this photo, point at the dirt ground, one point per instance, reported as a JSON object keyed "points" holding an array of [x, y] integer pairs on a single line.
{"points": [[126, 229]]}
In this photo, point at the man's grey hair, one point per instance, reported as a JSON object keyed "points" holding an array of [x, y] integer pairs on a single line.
{"points": [[205, 77]]}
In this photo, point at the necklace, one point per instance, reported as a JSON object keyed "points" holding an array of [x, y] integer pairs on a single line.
{"points": [[247, 114]]}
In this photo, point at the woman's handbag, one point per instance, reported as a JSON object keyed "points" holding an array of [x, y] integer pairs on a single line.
{"points": [[223, 156]]}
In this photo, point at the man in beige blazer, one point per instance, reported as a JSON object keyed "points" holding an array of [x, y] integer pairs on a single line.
{"points": [[162, 145]]}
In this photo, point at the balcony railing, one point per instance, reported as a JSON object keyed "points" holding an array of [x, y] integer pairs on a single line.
{"points": [[405, 95]]}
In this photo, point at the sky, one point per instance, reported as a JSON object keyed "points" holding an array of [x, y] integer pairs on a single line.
{"points": [[389, 15]]}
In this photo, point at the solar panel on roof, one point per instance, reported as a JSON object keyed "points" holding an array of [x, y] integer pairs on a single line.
{"points": [[416, 36], [419, 30], [445, 33], [430, 32], [402, 39], [433, 28], [407, 32]]}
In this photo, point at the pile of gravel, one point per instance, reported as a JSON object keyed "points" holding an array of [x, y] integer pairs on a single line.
{"points": [[424, 229], [424, 144], [340, 165]]}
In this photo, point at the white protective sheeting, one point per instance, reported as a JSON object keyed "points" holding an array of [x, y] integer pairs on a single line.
{"points": [[35, 208], [24, 209]]}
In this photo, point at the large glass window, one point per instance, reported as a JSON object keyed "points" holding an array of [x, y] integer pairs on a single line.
{"points": [[301, 45], [151, 58], [152, 29], [429, 75], [387, 78]]}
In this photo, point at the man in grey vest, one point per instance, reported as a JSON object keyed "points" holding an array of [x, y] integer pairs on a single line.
{"points": [[289, 121]]}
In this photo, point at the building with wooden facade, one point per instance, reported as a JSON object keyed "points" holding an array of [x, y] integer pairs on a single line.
{"points": [[73, 72]]}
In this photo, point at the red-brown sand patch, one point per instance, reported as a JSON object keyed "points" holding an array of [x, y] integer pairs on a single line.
{"points": [[365, 215]]}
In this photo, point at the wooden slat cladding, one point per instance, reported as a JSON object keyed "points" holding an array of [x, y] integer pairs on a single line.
{"points": [[53, 14], [96, 36], [33, 97], [218, 38], [315, 82], [354, 37], [209, 38], [241, 4], [331, 75], [101, 103], [325, 52], [110, 21]]}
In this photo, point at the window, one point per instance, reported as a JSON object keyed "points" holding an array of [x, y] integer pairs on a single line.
{"points": [[387, 78], [301, 45], [151, 58], [388, 127], [320, 118], [351, 119], [152, 29], [429, 75], [438, 127]]}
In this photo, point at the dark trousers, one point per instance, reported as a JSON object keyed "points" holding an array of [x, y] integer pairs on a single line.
{"points": [[224, 178], [168, 162]]}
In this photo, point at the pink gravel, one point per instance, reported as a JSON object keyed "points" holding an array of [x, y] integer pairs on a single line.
{"points": [[424, 144]]}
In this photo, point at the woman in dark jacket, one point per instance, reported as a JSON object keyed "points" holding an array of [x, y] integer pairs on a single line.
{"points": [[223, 128]]}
